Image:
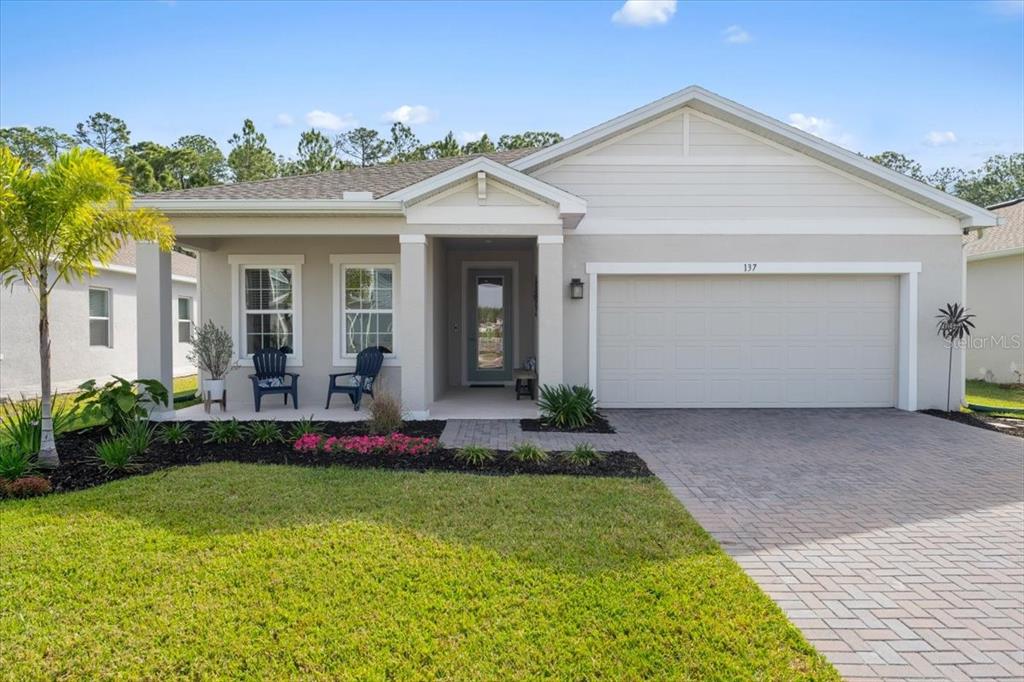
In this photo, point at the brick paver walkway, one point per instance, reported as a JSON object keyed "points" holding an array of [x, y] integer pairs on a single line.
{"points": [[895, 541]]}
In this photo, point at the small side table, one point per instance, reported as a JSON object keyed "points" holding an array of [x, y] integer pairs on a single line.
{"points": [[526, 383], [223, 400]]}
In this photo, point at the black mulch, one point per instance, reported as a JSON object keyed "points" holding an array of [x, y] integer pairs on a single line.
{"points": [[1009, 426], [599, 425], [79, 470]]}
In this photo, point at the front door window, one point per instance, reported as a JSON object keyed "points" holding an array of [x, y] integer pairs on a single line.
{"points": [[490, 322]]}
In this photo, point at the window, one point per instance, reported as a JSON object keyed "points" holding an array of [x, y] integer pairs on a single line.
{"points": [[184, 319], [366, 294], [269, 313], [266, 305], [99, 317]]}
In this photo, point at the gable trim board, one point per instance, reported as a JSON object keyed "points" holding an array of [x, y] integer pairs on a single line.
{"points": [[906, 398], [722, 109]]}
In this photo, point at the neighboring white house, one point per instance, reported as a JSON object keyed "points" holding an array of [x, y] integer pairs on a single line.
{"points": [[727, 260], [93, 327], [995, 293]]}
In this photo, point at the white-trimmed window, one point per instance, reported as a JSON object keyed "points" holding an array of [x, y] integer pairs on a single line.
{"points": [[184, 319], [99, 317], [365, 304], [267, 305]]}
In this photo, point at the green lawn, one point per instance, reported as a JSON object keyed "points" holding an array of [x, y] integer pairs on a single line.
{"points": [[232, 570], [983, 393]]}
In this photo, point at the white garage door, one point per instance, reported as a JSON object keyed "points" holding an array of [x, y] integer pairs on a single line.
{"points": [[747, 341]]}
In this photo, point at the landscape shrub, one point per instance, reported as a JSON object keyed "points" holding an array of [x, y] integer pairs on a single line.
{"points": [[115, 454], [385, 414], [14, 462], [567, 407], [475, 455], [304, 427], [138, 435], [174, 433], [528, 452], [223, 431], [393, 444], [22, 422], [584, 454], [28, 486], [264, 433], [120, 402]]}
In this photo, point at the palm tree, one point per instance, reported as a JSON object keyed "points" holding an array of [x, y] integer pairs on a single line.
{"points": [[954, 323], [55, 225]]}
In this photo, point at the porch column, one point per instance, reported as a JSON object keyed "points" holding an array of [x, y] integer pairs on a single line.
{"points": [[412, 324], [550, 294], [153, 317]]}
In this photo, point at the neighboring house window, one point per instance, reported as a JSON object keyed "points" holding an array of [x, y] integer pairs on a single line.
{"points": [[184, 319], [269, 320], [368, 312], [99, 317], [366, 288]]}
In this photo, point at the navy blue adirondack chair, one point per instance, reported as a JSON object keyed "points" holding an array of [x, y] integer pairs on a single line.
{"points": [[368, 364], [270, 377]]}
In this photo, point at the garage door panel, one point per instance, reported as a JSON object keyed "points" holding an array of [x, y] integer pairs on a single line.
{"points": [[763, 341]]}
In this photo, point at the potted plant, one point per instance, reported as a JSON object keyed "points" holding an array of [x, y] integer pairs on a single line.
{"points": [[213, 352]]}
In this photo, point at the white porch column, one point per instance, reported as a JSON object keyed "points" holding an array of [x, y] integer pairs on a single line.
{"points": [[153, 317], [550, 296], [412, 324]]}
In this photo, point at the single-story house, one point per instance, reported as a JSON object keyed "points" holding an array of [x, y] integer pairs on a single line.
{"points": [[690, 253], [995, 294], [92, 326]]}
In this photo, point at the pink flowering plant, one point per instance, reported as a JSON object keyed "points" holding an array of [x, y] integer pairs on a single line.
{"points": [[392, 444]]}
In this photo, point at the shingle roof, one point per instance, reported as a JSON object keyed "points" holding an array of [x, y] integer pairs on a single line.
{"points": [[181, 264], [1001, 237], [380, 180]]}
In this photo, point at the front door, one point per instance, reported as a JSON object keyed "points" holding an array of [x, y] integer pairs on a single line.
{"points": [[489, 325]]}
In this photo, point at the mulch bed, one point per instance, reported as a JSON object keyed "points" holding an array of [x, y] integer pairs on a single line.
{"points": [[599, 425], [78, 469], [1011, 427]]}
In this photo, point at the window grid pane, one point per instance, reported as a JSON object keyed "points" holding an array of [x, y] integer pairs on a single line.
{"points": [[99, 304], [266, 290], [184, 308], [99, 333]]}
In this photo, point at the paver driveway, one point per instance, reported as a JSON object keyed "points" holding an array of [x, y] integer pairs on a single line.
{"points": [[894, 540]]}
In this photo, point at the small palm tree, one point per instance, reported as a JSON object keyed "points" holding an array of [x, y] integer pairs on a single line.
{"points": [[954, 323], [55, 225]]}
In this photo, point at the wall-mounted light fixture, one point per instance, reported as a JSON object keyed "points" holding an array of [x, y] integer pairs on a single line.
{"points": [[576, 288]]}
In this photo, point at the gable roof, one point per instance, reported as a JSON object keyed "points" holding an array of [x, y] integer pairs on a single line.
{"points": [[772, 129], [1005, 239], [378, 180]]}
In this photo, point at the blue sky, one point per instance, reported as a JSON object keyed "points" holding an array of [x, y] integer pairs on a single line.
{"points": [[942, 82]]}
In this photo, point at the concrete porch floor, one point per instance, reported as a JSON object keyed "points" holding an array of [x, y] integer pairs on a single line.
{"points": [[456, 403]]}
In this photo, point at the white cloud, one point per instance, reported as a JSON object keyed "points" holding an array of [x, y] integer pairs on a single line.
{"points": [[736, 35], [821, 127], [411, 114], [329, 121], [470, 136], [645, 12], [284, 120], [937, 138]]}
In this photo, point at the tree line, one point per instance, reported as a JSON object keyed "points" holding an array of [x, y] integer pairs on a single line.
{"points": [[198, 161]]}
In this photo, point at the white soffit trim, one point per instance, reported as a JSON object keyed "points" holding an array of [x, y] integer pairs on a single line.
{"points": [[996, 254], [550, 239], [263, 259], [568, 204], [755, 268], [731, 112], [412, 239]]}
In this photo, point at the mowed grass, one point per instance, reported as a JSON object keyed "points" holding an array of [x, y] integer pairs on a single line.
{"points": [[995, 395], [245, 571]]}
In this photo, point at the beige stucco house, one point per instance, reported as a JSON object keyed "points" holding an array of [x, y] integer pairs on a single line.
{"points": [[726, 259], [995, 294], [93, 331]]}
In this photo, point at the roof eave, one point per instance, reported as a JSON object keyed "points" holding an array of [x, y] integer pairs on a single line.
{"points": [[273, 206]]}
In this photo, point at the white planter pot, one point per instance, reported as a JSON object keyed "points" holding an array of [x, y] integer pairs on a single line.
{"points": [[214, 388]]}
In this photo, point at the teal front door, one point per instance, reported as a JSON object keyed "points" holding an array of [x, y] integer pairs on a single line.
{"points": [[489, 326]]}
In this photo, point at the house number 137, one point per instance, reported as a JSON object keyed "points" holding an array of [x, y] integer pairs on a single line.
{"points": [[749, 267]]}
